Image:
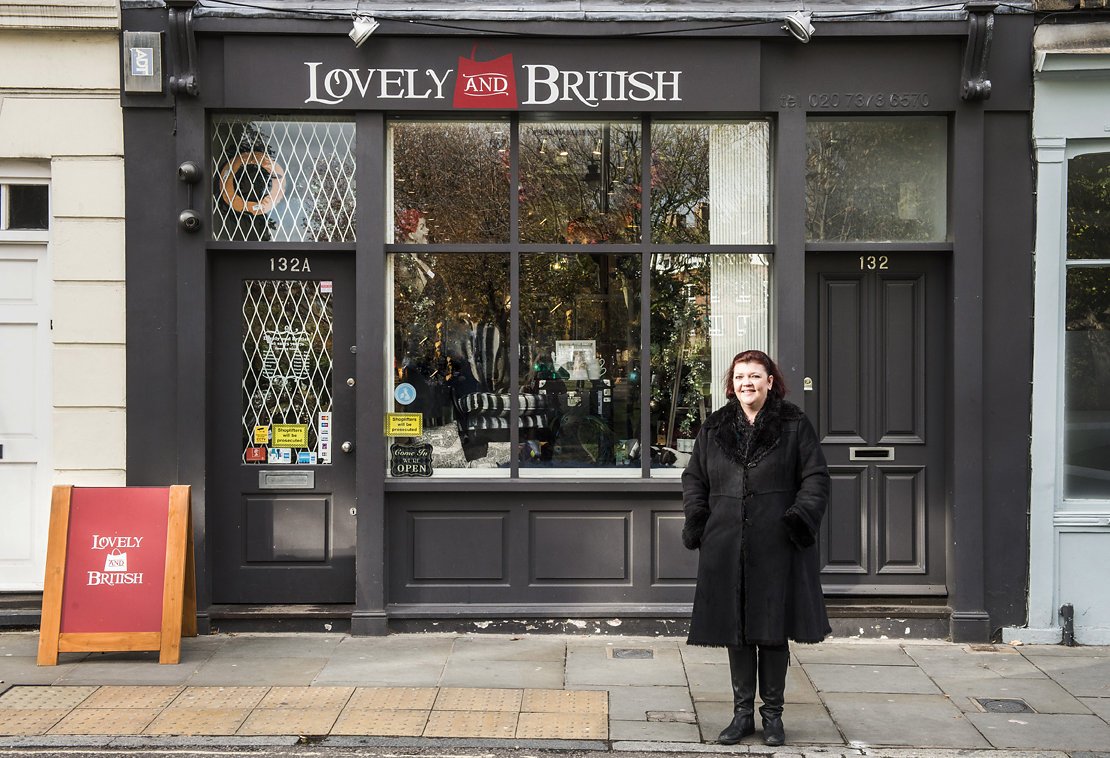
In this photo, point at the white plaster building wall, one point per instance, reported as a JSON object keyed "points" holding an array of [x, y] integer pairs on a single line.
{"points": [[1069, 552], [60, 112]]}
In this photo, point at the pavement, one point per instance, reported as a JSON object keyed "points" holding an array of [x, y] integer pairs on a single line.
{"points": [[845, 697]]}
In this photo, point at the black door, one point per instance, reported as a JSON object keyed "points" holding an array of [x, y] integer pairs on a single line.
{"points": [[876, 368], [280, 494]]}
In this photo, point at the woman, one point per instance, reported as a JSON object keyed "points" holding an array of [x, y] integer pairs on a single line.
{"points": [[754, 493]]}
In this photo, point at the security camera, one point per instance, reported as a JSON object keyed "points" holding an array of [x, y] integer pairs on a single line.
{"points": [[189, 220], [188, 172]]}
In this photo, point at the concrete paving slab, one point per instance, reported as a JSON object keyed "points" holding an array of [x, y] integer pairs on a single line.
{"points": [[478, 699], [589, 664], [381, 672], [1037, 731], [709, 681], [118, 696], [701, 654], [66, 698], [633, 703], [1100, 706], [469, 672], [654, 731], [385, 723], [219, 697], [301, 721], [307, 697], [198, 721], [509, 648], [230, 671], [418, 648], [1083, 676], [1079, 651], [562, 726], [22, 644], [28, 721], [961, 661], [393, 698], [565, 701], [487, 724], [834, 677], [23, 670], [805, 724], [105, 721], [860, 653], [128, 669], [1042, 695], [923, 721]]}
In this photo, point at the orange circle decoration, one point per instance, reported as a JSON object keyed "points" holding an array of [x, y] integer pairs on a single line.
{"points": [[238, 203]]}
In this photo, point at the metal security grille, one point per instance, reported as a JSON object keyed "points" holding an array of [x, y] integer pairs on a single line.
{"points": [[287, 359], [283, 180]]}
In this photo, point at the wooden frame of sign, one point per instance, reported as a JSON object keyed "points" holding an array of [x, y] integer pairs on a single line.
{"points": [[178, 611]]}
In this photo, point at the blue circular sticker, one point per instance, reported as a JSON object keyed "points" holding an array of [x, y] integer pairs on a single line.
{"points": [[404, 393]]}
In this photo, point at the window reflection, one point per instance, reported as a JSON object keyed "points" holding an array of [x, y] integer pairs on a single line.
{"points": [[705, 309], [579, 183], [877, 179], [450, 181], [710, 183], [580, 354], [450, 341]]}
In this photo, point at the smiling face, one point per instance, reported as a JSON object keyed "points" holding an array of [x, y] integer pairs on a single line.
{"points": [[750, 384]]}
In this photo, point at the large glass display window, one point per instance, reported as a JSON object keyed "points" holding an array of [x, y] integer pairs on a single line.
{"points": [[574, 325], [1087, 330]]}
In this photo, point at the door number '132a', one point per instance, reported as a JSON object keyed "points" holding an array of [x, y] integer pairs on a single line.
{"points": [[293, 265], [874, 262]]}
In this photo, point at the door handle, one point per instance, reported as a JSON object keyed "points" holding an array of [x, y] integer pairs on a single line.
{"points": [[347, 447], [870, 453]]}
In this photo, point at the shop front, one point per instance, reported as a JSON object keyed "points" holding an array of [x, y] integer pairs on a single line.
{"points": [[434, 320]]}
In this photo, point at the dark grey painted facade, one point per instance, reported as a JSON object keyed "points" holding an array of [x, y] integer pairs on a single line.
{"points": [[498, 549]]}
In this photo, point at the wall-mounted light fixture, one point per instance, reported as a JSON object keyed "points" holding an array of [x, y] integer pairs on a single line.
{"points": [[361, 28], [800, 25]]}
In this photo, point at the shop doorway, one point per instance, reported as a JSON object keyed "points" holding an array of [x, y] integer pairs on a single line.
{"points": [[280, 498], [876, 370], [25, 414]]}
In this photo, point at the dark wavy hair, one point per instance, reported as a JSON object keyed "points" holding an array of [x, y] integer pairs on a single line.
{"points": [[778, 384]]}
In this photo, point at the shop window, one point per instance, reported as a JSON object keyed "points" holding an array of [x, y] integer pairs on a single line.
{"points": [[450, 182], [24, 206], [705, 309], [580, 183], [710, 183], [877, 180], [580, 361], [283, 179], [450, 343], [1087, 330]]}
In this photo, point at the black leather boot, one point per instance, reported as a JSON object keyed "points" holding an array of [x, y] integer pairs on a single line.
{"points": [[773, 662], [741, 664]]}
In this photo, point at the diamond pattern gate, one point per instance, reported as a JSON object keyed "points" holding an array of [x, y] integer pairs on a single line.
{"points": [[280, 496]]}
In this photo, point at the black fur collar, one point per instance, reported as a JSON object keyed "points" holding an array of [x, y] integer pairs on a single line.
{"points": [[746, 443]]}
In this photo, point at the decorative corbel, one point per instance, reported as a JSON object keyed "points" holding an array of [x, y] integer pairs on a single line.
{"points": [[184, 76], [980, 30]]}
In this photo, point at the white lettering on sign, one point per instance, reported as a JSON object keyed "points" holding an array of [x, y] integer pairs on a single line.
{"points": [[391, 83], [122, 543], [548, 84], [97, 578], [545, 85]]}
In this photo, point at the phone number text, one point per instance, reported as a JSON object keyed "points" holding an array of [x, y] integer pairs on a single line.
{"points": [[858, 100]]}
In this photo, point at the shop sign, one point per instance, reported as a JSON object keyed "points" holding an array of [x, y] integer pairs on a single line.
{"points": [[441, 74], [290, 435], [410, 460], [404, 424]]}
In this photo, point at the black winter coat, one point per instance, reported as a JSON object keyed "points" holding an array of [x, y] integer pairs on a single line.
{"points": [[754, 496]]}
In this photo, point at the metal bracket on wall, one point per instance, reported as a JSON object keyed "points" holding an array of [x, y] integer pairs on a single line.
{"points": [[980, 30], [184, 77]]}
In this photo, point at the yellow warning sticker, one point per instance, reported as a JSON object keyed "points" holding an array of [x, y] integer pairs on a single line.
{"points": [[404, 424], [261, 435], [290, 435]]}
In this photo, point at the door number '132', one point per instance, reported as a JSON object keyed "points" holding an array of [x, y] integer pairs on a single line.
{"points": [[874, 262]]}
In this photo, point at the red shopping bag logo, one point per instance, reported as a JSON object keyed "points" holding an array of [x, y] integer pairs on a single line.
{"points": [[485, 84]]}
